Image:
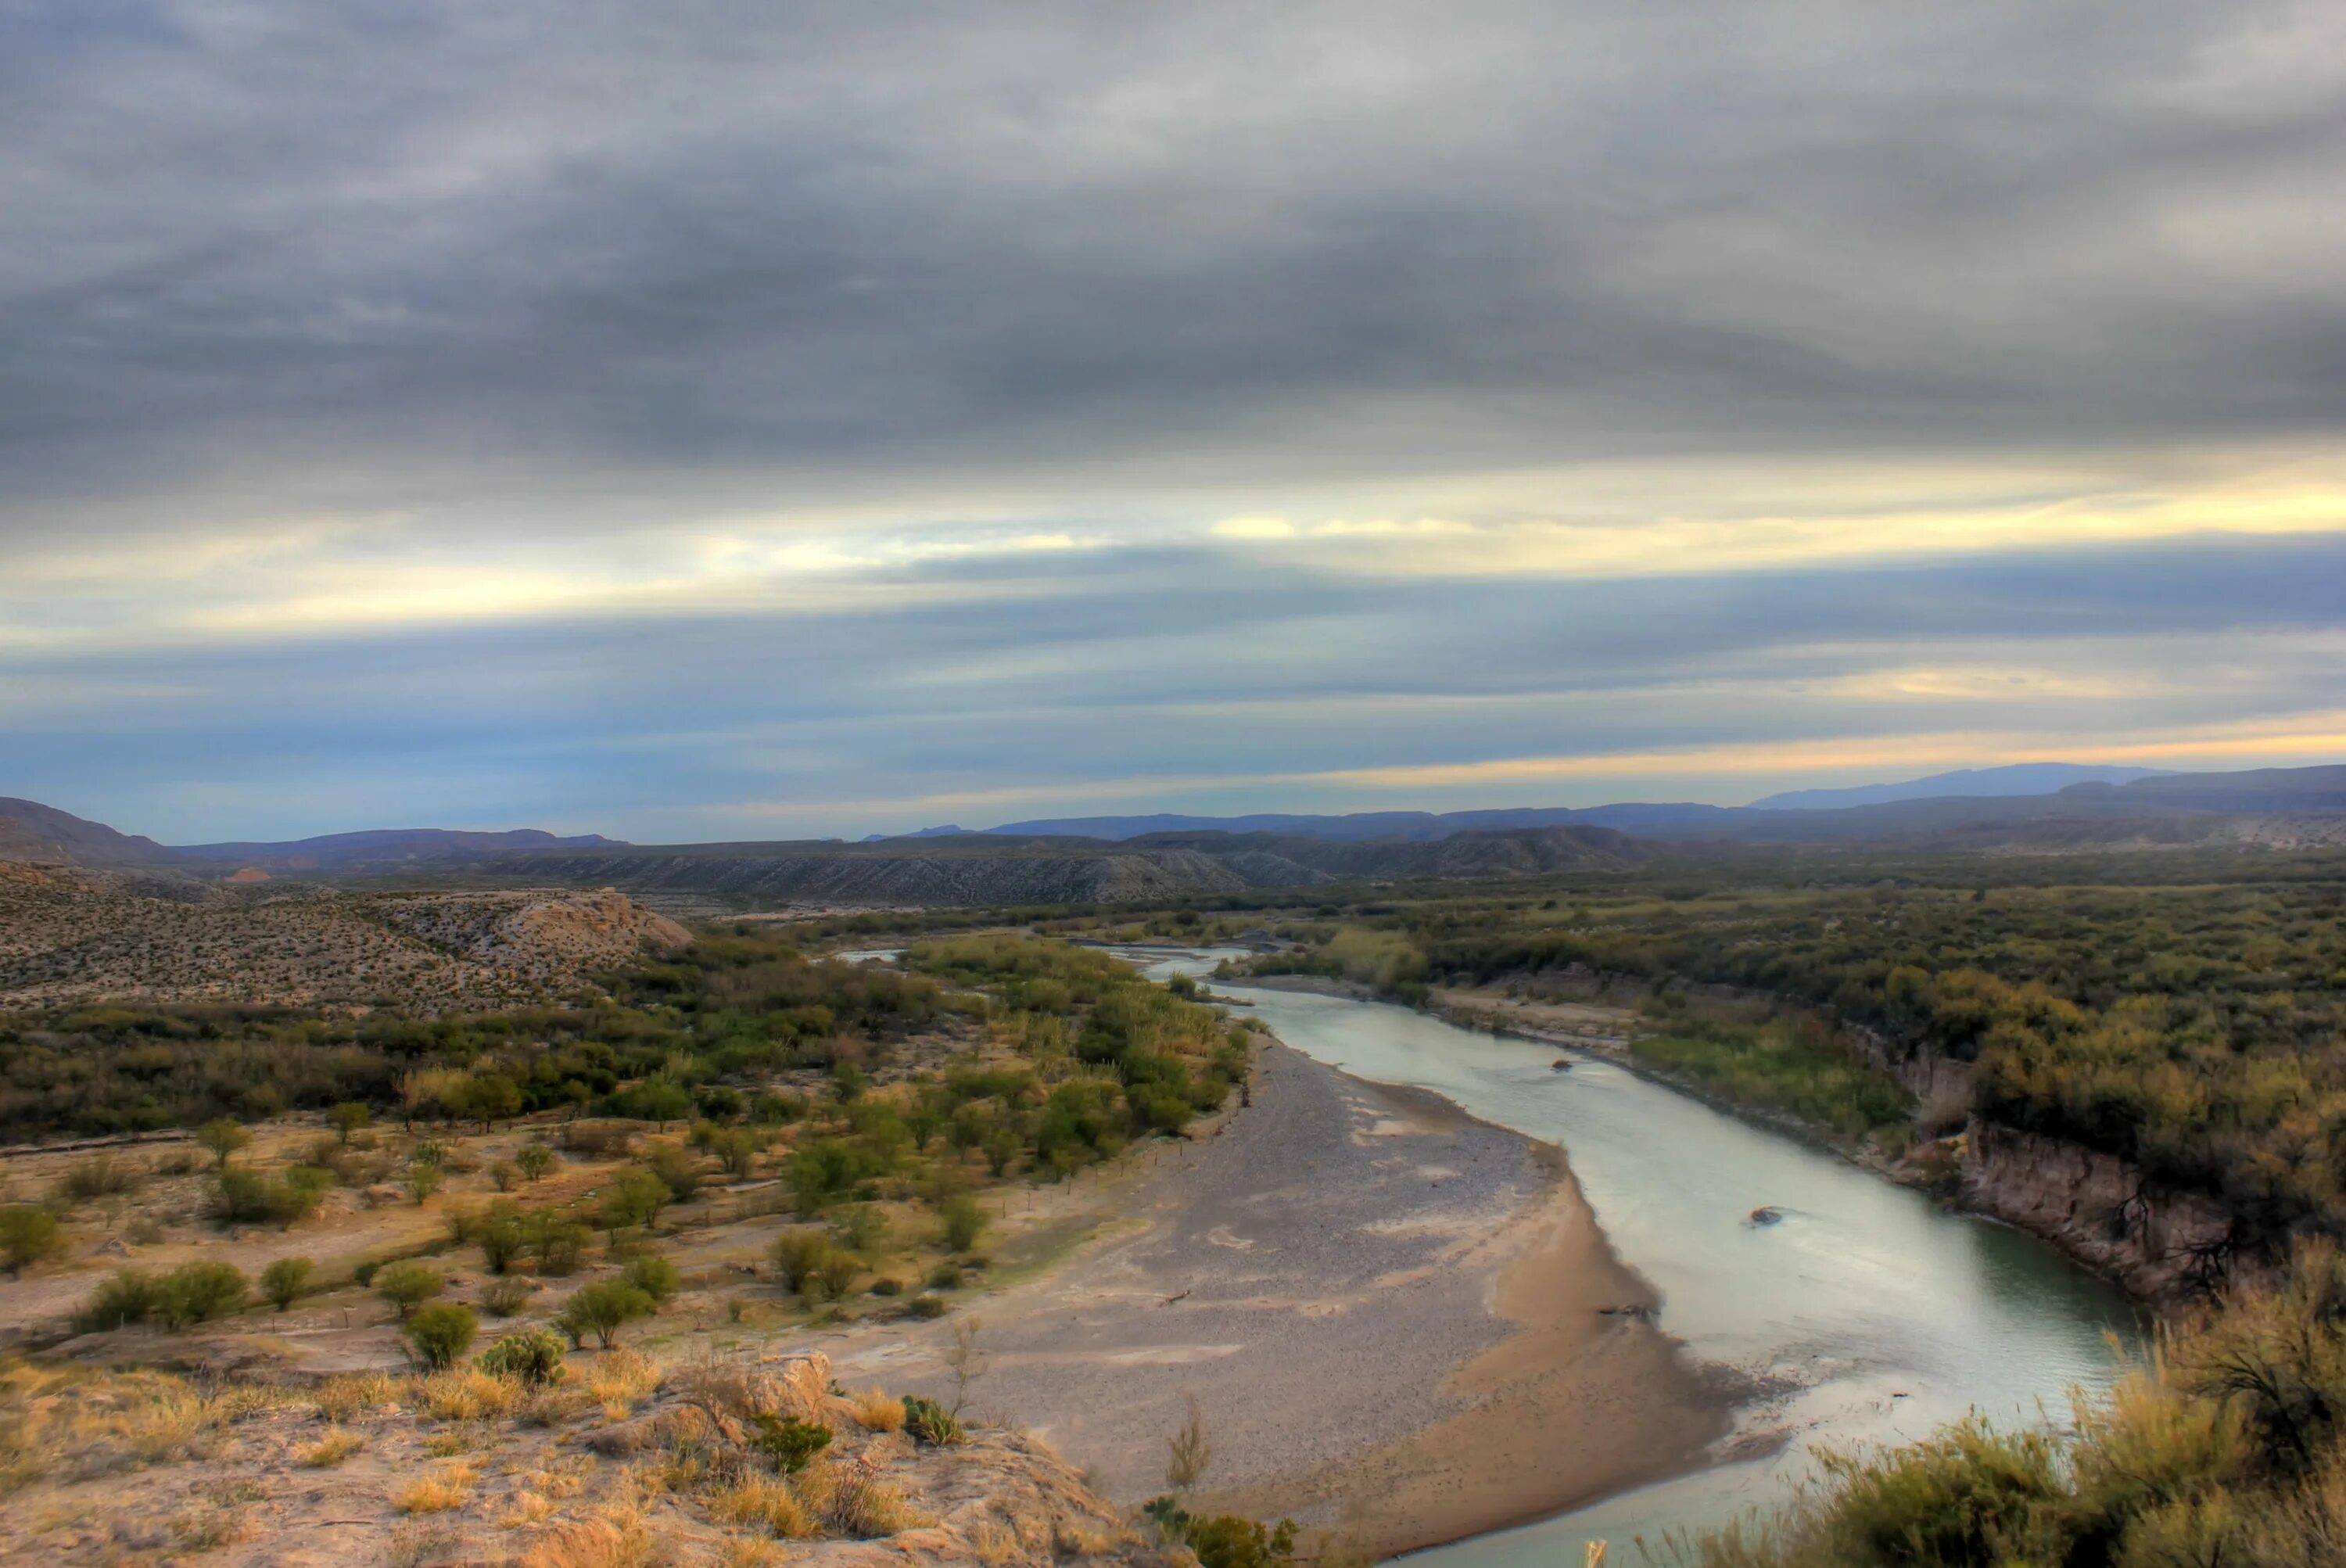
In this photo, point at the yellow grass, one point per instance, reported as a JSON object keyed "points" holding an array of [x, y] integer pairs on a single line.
{"points": [[353, 1393], [764, 1502], [527, 1508], [330, 1450], [468, 1394], [616, 1538], [450, 1486], [865, 1506], [617, 1379], [877, 1410]]}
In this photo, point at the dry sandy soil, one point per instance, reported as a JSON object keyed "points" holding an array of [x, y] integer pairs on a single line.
{"points": [[1395, 1320], [69, 935]]}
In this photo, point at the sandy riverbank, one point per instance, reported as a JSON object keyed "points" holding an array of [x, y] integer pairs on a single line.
{"points": [[1391, 1314]]}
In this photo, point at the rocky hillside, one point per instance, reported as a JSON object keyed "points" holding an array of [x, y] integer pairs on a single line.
{"points": [[620, 1464], [69, 935], [985, 870]]}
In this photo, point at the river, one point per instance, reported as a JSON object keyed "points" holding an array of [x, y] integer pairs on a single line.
{"points": [[1890, 1314]]}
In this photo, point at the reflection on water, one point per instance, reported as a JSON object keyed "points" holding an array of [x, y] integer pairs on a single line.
{"points": [[1893, 1315]]}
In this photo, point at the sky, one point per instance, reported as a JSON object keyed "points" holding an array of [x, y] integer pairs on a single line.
{"points": [[761, 420]]}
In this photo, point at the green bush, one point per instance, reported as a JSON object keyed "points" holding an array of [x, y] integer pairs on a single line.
{"points": [[407, 1284], [506, 1296], [926, 1307], [284, 1281], [29, 1233], [198, 1293], [557, 1242], [439, 1333], [963, 1220], [601, 1309], [533, 1357], [790, 1442], [653, 1275], [127, 1298]]}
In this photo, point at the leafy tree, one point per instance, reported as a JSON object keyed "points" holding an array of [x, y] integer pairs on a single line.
{"points": [[677, 1170], [221, 1138], [499, 1231], [556, 1241], [533, 1160], [633, 1199]]}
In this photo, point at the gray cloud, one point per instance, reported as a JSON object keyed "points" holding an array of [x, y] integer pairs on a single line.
{"points": [[547, 257]]}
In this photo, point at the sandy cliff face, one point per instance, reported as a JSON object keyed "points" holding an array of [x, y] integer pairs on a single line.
{"points": [[2161, 1245]]}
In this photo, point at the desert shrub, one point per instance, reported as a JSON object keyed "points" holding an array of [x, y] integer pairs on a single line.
{"points": [[499, 1231], [795, 1253], [677, 1170], [767, 1504], [556, 1241], [862, 1227], [100, 1176], [29, 1233], [284, 1281], [120, 1301], [601, 1309], [349, 1118], [506, 1296], [788, 1440], [330, 1450], [945, 1277], [926, 1307], [963, 1221], [533, 1160], [653, 1275], [1228, 1540], [439, 1332], [407, 1284], [198, 1293], [221, 1137], [532, 1359], [886, 1287], [868, 1508], [634, 1197], [930, 1422], [244, 1196]]}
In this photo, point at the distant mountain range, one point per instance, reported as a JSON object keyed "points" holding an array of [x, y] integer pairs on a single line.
{"points": [[2019, 778], [1129, 859]]}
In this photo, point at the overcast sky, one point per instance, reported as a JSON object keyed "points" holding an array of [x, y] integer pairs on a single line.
{"points": [[717, 420]]}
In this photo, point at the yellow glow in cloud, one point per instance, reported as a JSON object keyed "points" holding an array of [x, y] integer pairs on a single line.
{"points": [[2295, 738], [1254, 527]]}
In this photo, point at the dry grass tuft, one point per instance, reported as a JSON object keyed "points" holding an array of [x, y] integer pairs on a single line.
{"points": [[619, 1378], [526, 1507], [764, 1502], [449, 1486], [748, 1551], [877, 1410], [865, 1506], [994, 1544], [354, 1393], [616, 1538], [468, 1394], [330, 1450]]}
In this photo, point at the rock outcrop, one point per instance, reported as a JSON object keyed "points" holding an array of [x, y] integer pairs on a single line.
{"points": [[2161, 1244]]}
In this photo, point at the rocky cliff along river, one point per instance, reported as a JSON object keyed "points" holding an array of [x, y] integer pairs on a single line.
{"points": [[1881, 1314]]}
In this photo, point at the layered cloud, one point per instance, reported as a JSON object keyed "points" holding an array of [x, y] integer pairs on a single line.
{"points": [[726, 418]]}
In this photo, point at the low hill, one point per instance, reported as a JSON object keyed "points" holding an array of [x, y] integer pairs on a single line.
{"points": [[41, 835], [386, 849]]}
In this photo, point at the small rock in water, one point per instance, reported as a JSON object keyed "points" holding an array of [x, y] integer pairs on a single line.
{"points": [[1764, 1215], [1562, 1065]]}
